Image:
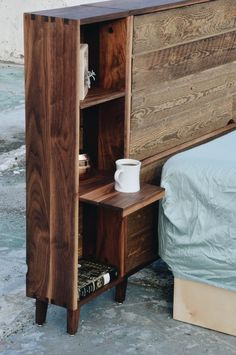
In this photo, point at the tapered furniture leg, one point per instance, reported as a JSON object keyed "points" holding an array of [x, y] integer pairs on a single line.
{"points": [[41, 312], [72, 321], [121, 291]]}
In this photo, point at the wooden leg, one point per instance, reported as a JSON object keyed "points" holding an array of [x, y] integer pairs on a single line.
{"points": [[72, 321], [41, 312], [121, 291]]}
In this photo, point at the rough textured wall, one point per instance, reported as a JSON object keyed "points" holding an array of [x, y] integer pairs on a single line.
{"points": [[11, 24]]}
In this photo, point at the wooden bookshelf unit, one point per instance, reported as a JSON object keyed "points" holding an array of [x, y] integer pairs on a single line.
{"points": [[142, 105]]}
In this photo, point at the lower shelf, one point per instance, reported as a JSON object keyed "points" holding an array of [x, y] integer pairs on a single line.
{"points": [[94, 276]]}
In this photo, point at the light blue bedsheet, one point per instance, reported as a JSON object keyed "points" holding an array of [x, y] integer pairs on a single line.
{"points": [[197, 218]]}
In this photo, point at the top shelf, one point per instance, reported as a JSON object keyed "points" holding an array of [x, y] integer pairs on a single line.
{"points": [[114, 9], [97, 96]]}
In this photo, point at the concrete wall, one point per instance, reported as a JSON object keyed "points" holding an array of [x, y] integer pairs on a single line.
{"points": [[11, 23]]}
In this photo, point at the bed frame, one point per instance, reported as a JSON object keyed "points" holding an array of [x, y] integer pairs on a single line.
{"points": [[205, 305], [167, 82]]}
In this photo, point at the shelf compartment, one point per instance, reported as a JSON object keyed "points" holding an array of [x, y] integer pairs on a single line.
{"points": [[99, 291], [104, 195], [93, 275], [98, 96], [102, 138]]}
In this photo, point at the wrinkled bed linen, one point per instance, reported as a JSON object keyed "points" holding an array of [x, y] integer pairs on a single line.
{"points": [[197, 217]]}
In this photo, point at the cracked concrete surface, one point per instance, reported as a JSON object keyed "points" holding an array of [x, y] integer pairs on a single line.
{"points": [[142, 325]]}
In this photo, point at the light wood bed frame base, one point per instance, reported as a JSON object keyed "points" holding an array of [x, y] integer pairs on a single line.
{"points": [[204, 305]]}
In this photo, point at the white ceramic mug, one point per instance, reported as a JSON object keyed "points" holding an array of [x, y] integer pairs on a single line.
{"points": [[127, 175]]}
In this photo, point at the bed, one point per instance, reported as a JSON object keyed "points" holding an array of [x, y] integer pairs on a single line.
{"points": [[197, 232]]}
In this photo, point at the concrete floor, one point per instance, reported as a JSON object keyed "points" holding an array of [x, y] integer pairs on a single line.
{"points": [[142, 325]]}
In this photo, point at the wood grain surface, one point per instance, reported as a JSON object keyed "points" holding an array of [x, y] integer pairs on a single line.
{"points": [[183, 82], [230, 127], [186, 24], [136, 7], [180, 128], [112, 54], [124, 203], [164, 100], [81, 231], [176, 62], [98, 96], [142, 245], [84, 13], [38, 162], [52, 122], [128, 85], [108, 10], [110, 244], [111, 134]]}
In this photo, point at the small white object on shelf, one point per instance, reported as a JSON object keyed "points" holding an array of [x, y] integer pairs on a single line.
{"points": [[83, 70], [91, 74]]}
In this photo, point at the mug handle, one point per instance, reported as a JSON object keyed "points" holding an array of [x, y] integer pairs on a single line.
{"points": [[116, 176]]}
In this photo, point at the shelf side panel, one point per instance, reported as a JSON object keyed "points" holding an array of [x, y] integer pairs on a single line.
{"points": [[112, 54], [52, 124]]}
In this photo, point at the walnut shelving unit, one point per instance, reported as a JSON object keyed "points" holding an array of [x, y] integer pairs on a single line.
{"points": [[58, 125], [68, 218]]}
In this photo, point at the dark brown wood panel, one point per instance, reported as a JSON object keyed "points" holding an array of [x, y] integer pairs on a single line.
{"points": [[111, 238], [85, 13], [152, 171], [112, 54], [81, 231], [38, 161], [124, 203], [90, 134], [176, 62], [90, 218], [141, 237], [190, 23], [64, 162], [52, 140], [182, 127], [98, 96], [111, 134]]}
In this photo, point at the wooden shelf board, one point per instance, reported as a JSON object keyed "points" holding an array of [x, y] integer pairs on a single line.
{"points": [[97, 96], [98, 180], [104, 195]]}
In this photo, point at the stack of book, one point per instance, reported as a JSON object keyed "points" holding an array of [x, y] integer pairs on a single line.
{"points": [[94, 275]]}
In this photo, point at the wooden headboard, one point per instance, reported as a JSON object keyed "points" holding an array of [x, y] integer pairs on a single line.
{"points": [[183, 76], [183, 89]]}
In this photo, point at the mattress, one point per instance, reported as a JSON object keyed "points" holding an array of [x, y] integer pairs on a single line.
{"points": [[197, 217]]}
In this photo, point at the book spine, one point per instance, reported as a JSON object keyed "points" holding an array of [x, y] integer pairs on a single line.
{"points": [[91, 287], [94, 285]]}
